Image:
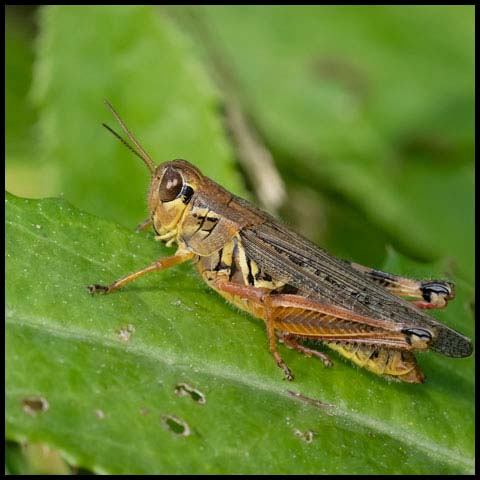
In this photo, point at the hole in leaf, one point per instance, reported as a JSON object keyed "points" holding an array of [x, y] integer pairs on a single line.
{"points": [[34, 404], [307, 436], [183, 389], [126, 332], [176, 425], [100, 414]]}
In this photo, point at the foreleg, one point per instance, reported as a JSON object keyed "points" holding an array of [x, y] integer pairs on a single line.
{"points": [[161, 264]]}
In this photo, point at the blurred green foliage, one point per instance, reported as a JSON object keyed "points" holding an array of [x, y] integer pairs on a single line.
{"points": [[369, 114]]}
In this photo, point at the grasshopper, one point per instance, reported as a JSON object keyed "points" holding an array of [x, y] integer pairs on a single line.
{"points": [[303, 294]]}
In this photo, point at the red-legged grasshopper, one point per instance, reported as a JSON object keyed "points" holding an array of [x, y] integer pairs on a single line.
{"points": [[301, 292]]}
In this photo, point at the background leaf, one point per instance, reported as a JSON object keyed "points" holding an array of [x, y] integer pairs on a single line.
{"points": [[117, 360], [23, 173], [18, 75]]}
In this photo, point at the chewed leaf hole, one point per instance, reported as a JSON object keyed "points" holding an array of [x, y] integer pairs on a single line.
{"points": [[176, 425], [125, 333], [100, 414], [307, 436], [33, 404], [183, 389]]}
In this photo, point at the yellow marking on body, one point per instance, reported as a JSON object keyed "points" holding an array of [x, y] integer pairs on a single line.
{"points": [[227, 254], [405, 287], [173, 225], [202, 211], [379, 364], [242, 261], [437, 300], [254, 270], [386, 362]]}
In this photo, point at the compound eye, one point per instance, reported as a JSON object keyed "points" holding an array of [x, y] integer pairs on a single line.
{"points": [[170, 186]]}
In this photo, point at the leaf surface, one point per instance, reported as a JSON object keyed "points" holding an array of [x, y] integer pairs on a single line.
{"points": [[108, 367]]}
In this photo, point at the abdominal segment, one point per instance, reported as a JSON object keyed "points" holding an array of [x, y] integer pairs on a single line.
{"points": [[396, 364]]}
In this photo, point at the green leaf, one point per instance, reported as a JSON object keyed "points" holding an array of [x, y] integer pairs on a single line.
{"points": [[375, 103], [134, 57], [104, 369]]}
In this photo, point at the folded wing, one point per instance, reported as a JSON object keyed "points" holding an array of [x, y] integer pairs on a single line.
{"points": [[321, 277]]}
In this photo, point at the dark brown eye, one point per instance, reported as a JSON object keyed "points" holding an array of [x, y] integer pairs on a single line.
{"points": [[170, 186]]}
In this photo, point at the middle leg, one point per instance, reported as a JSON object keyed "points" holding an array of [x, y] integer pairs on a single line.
{"points": [[291, 342]]}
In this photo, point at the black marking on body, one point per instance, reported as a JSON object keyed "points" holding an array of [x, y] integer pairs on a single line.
{"points": [[263, 276], [418, 332], [360, 297], [216, 268], [287, 289], [201, 220], [214, 221], [186, 194], [295, 260], [250, 278], [221, 265], [427, 288], [381, 276], [233, 267]]}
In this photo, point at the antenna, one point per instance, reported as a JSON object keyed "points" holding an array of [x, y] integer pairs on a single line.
{"points": [[145, 157], [111, 130]]}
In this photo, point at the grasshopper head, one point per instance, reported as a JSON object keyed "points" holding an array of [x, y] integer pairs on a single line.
{"points": [[172, 186]]}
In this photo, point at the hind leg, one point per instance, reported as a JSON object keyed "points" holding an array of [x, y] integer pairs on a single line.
{"points": [[425, 294]]}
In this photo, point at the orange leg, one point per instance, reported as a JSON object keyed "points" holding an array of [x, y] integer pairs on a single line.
{"points": [[272, 342], [160, 264], [291, 342]]}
